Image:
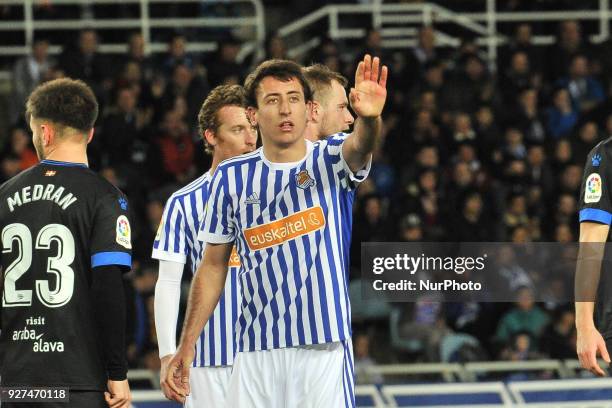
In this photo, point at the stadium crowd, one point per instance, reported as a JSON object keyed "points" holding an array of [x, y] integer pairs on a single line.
{"points": [[467, 155]]}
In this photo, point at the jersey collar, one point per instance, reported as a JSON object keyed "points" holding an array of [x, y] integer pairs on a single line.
{"points": [[63, 163]]}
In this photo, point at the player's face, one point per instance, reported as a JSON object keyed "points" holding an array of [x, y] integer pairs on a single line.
{"points": [[37, 138], [281, 111], [336, 115], [235, 135]]}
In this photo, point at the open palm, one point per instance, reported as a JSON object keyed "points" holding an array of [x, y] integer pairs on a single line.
{"points": [[370, 91]]}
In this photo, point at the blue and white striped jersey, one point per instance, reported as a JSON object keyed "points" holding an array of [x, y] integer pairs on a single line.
{"points": [[291, 223], [177, 241]]}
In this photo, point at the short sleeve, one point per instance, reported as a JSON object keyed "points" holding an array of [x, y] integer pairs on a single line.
{"points": [[349, 179], [169, 244], [111, 239], [218, 226], [595, 203]]}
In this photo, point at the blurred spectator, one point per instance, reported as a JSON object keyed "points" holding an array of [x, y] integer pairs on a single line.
{"points": [[177, 149], [470, 225], [525, 317], [520, 348], [559, 338], [588, 137], [528, 116], [28, 73], [410, 228], [136, 54], [185, 83], [120, 128], [275, 47], [585, 91], [176, 55], [224, 67], [364, 362], [20, 147], [562, 117], [84, 62], [470, 86], [569, 43]]}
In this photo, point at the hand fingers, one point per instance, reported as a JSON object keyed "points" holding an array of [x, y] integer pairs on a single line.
{"points": [[591, 363], [375, 68], [603, 352], [359, 73], [169, 394], [383, 76], [367, 68], [172, 380], [185, 378], [115, 401]]}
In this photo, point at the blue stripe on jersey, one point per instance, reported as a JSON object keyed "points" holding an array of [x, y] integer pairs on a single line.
{"points": [[177, 232], [314, 335], [261, 290], [167, 226], [595, 214], [111, 258], [297, 265]]}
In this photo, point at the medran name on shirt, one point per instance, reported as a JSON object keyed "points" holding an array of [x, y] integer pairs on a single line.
{"points": [[38, 192]]}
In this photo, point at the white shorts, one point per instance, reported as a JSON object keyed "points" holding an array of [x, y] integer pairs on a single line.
{"points": [[208, 386], [313, 376]]}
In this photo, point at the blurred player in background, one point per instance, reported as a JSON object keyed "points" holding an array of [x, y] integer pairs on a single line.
{"points": [[330, 113], [227, 133], [66, 242], [287, 207]]}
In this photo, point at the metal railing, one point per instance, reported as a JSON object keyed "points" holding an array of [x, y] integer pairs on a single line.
{"points": [[28, 25], [399, 23]]}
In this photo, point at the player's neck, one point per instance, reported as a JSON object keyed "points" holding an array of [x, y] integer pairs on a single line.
{"points": [[285, 154], [68, 153], [311, 132]]}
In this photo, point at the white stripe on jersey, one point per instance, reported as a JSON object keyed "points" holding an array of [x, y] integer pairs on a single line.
{"points": [[177, 241], [293, 243]]}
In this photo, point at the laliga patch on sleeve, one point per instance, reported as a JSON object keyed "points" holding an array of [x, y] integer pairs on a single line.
{"points": [[124, 233], [593, 188]]}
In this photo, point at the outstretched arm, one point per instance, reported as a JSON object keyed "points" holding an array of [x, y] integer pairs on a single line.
{"points": [[367, 100]]}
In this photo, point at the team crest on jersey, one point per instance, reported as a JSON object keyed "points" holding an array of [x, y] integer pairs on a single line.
{"points": [[124, 233], [593, 188], [304, 180]]}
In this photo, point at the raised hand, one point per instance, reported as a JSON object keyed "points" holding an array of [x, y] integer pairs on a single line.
{"points": [[370, 91]]}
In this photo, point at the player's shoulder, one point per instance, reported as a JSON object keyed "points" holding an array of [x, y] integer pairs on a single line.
{"points": [[603, 147], [200, 183], [335, 139], [238, 161], [21, 178]]}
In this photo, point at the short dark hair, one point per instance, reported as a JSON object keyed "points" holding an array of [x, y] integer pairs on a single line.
{"points": [[221, 96], [283, 70], [320, 79], [66, 102]]}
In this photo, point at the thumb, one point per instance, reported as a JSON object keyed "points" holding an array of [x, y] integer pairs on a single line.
{"points": [[107, 397]]}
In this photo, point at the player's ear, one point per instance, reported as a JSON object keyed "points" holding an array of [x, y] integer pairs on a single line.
{"points": [[48, 133], [316, 111], [210, 137], [251, 114], [310, 110], [90, 136]]}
